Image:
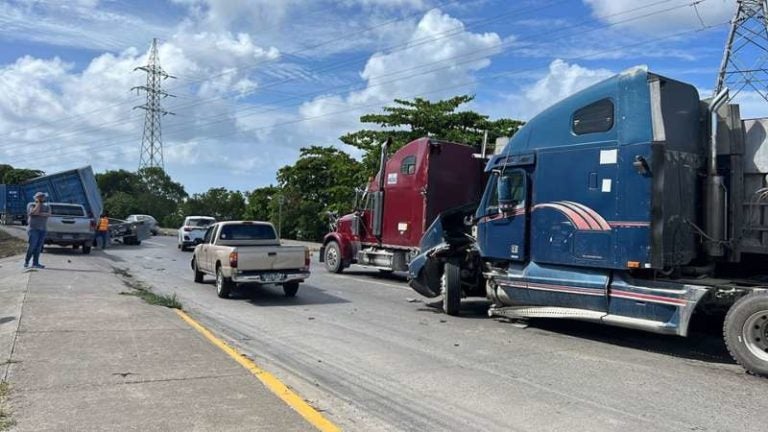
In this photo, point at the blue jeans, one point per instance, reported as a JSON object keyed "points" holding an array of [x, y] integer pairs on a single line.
{"points": [[36, 242], [104, 236]]}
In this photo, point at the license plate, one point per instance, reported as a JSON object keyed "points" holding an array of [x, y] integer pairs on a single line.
{"points": [[272, 277], [67, 237]]}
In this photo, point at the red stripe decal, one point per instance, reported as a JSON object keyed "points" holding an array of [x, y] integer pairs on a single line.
{"points": [[648, 297], [595, 215], [576, 219], [593, 224]]}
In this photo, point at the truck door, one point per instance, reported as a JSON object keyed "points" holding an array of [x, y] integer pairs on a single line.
{"points": [[503, 225], [205, 252]]}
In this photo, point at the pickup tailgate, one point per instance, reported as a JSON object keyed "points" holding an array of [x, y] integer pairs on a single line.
{"points": [[255, 258], [69, 225]]}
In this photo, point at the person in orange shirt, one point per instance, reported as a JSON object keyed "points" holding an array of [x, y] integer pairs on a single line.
{"points": [[102, 231]]}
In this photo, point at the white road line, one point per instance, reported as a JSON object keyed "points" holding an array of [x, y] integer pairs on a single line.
{"points": [[372, 282]]}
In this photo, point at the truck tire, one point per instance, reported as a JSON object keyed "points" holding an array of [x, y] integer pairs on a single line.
{"points": [[86, 249], [451, 288], [290, 289], [333, 260], [224, 285], [746, 333], [198, 274]]}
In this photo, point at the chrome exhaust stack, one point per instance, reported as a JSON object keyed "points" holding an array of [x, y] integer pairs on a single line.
{"points": [[715, 194]]}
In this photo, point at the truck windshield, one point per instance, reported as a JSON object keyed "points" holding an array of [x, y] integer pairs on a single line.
{"points": [[247, 232]]}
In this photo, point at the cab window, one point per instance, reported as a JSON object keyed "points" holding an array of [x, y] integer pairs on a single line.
{"points": [[408, 166], [595, 117], [208, 235]]}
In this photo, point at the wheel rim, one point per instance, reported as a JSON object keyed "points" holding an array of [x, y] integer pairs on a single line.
{"points": [[755, 334], [219, 281], [332, 257]]}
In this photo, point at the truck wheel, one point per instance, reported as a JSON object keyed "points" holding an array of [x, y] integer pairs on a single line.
{"points": [[451, 288], [86, 249], [198, 274], [224, 285], [333, 261], [75, 246], [746, 333], [290, 289]]}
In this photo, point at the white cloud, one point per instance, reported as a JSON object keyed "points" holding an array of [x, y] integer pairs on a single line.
{"points": [[561, 81], [433, 66], [670, 17]]}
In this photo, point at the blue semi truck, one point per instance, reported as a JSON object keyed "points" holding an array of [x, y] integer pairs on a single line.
{"points": [[631, 203], [76, 186]]}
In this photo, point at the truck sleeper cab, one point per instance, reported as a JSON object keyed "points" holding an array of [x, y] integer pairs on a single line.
{"points": [[597, 211], [412, 187]]}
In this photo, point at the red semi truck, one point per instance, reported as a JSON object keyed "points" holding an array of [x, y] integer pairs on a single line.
{"points": [[413, 186]]}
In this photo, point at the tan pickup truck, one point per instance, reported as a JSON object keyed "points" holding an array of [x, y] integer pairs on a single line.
{"points": [[241, 252]]}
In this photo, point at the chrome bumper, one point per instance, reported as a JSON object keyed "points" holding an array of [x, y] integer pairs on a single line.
{"points": [[260, 278]]}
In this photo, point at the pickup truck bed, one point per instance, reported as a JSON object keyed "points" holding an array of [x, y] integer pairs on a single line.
{"points": [[249, 252]]}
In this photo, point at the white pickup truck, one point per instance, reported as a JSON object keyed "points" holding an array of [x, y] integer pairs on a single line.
{"points": [[69, 225], [249, 252]]}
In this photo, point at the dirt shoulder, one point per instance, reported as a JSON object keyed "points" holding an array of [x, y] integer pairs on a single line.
{"points": [[10, 245]]}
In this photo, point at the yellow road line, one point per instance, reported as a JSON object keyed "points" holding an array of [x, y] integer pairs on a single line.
{"points": [[270, 381]]}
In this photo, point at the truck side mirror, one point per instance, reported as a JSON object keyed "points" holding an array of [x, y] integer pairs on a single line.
{"points": [[505, 192]]}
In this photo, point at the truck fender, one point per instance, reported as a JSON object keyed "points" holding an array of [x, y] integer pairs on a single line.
{"points": [[345, 246], [425, 270]]}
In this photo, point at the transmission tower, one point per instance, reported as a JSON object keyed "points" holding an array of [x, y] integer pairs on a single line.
{"points": [[152, 138], [745, 59]]}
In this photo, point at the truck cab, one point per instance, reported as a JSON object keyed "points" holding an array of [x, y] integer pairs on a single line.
{"points": [[414, 185], [631, 203]]}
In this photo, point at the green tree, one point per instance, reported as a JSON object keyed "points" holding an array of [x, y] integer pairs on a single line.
{"points": [[4, 168], [20, 175], [149, 191], [409, 120], [259, 204], [220, 203], [322, 179], [119, 181]]}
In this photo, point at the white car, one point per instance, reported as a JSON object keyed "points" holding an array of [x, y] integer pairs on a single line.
{"points": [[193, 230], [148, 221]]}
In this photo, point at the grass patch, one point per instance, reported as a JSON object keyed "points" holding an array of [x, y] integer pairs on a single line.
{"points": [[144, 291], [169, 301], [10, 245], [6, 422]]}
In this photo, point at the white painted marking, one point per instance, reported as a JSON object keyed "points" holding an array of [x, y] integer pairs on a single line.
{"points": [[368, 281], [608, 157], [606, 185]]}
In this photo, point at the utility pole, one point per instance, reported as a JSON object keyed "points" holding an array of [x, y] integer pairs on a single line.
{"points": [[152, 138], [745, 58]]}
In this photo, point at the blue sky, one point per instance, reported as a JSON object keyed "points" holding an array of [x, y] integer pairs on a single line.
{"points": [[258, 80]]}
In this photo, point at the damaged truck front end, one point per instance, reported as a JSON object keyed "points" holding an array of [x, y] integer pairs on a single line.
{"points": [[448, 261]]}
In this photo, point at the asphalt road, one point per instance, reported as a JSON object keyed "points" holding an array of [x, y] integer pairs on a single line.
{"points": [[365, 349]]}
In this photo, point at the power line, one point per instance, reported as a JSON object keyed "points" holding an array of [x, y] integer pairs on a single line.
{"points": [[470, 56], [294, 53], [433, 91], [745, 57], [152, 137]]}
